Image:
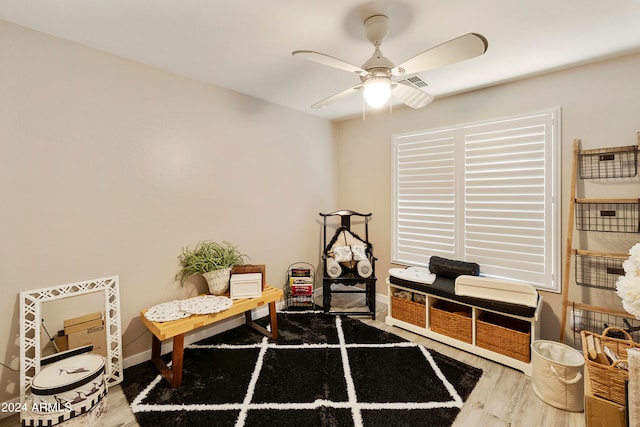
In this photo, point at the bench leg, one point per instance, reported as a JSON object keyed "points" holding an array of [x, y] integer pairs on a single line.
{"points": [[273, 319], [273, 322], [176, 360], [173, 375]]}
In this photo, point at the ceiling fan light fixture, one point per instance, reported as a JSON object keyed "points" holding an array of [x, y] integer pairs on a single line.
{"points": [[377, 91], [379, 76]]}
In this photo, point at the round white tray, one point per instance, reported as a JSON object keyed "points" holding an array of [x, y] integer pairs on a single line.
{"points": [[166, 312], [205, 304]]}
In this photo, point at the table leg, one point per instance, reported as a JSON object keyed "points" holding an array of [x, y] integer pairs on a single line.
{"points": [[176, 360], [173, 375], [273, 319], [156, 346], [273, 322]]}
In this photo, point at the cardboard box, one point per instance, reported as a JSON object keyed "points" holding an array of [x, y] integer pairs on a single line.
{"points": [[82, 319], [62, 341], [603, 413], [72, 329], [96, 336], [599, 412], [87, 330]]}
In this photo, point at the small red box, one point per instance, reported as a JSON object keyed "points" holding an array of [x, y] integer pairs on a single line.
{"points": [[301, 290]]}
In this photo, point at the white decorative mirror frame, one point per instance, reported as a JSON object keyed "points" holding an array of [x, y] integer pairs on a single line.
{"points": [[31, 318]]}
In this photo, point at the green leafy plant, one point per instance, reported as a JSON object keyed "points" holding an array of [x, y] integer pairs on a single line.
{"points": [[208, 256]]}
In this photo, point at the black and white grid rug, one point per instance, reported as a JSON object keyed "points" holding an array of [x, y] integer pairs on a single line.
{"points": [[323, 371]]}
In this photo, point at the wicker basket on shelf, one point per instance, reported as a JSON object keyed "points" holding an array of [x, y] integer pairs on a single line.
{"points": [[607, 381], [451, 319], [409, 311], [504, 335]]}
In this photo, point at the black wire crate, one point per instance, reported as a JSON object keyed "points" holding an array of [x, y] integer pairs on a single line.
{"points": [[593, 320], [598, 270], [299, 288], [609, 215], [616, 162]]}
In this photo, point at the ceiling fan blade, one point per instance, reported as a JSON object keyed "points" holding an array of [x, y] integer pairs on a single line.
{"points": [[321, 58], [337, 96], [414, 98], [455, 50]]}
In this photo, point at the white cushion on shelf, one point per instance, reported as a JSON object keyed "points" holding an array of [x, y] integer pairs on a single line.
{"points": [[497, 290]]}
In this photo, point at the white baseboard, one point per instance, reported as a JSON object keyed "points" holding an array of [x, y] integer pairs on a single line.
{"points": [[382, 298], [379, 297]]}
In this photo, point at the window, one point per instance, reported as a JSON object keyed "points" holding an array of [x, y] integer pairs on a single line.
{"points": [[483, 192]]}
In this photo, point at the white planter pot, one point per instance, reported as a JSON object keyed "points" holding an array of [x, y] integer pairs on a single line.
{"points": [[218, 280]]}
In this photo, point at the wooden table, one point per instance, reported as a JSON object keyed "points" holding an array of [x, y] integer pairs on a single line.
{"points": [[177, 328]]}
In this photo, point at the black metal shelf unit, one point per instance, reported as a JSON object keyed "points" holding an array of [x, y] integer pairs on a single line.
{"points": [[299, 288]]}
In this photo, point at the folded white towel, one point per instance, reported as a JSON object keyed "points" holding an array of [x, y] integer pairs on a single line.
{"points": [[359, 252], [333, 268], [364, 268], [414, 274]]}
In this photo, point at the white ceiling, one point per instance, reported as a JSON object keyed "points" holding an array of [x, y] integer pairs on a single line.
{"points": [[246, 45]]}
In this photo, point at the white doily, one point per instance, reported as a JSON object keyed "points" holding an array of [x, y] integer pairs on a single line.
{"points": [[206, 304], [166, 312]]}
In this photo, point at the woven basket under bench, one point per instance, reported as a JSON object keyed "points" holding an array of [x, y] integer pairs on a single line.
{"points": [[409, 311], [607, 381], [504, 335], [451, 319]]}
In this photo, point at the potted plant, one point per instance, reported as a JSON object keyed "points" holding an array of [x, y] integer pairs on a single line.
{"points": [[213, 261]]}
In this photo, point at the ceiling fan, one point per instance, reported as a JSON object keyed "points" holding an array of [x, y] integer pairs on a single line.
{"points": [[379, 78]]}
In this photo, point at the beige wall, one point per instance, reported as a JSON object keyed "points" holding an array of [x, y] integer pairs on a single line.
{"points": [[109, 167], [600, 105]]}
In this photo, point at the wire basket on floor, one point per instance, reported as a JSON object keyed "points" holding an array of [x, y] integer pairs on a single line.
{"points": [[299, 289]]}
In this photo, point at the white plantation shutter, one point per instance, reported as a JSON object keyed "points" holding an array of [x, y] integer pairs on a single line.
{"points": [[425, 197], [481, 192]]}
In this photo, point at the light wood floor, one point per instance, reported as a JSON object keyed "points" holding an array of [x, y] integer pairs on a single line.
{"points": [[503, 396]]}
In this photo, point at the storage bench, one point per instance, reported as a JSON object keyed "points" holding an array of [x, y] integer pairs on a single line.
{"points": [[499, 331]]}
